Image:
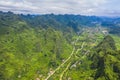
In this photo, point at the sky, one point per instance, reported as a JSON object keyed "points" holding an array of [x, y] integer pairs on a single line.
{"points": [[82, 7]]}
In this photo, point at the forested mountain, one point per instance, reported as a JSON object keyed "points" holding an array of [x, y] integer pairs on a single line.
{"points": [[74, 21], [105, 60], [59, 47]]}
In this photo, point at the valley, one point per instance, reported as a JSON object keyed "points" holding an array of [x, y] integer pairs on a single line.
{"points": [[58, 47]]}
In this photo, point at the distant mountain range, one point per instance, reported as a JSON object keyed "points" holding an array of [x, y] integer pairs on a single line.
{"points": [[59, 47]]}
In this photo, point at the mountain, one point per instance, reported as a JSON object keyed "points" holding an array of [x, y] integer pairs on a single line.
{"points": [[105, 60], [107, 43], [59, 47]]}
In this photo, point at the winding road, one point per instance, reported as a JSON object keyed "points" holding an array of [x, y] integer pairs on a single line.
{"points": [[61, 76], [73, 52]]}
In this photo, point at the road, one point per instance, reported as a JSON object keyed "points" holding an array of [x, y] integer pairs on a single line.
{"points": [[73, 51], [61, 76]]}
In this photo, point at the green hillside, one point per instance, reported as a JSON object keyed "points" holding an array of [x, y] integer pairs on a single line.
{"points": [[106, 60], [58, 47]]}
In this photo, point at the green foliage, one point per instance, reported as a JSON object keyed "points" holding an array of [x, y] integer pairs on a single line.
{"points": [[32, 46], [27, 52], [107, 43], [104, 60]]}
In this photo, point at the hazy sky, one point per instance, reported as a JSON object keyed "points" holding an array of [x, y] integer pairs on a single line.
{"points": [[83, 7]]}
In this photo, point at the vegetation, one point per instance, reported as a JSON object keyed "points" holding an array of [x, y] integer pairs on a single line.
{"points": [[64, 47], [104, 60]]}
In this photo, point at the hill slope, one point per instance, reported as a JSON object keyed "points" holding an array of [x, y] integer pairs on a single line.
{"points": [[106, 61], [33, 46]]}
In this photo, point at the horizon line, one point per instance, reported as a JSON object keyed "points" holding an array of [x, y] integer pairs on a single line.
{"points": [[38, 14]]}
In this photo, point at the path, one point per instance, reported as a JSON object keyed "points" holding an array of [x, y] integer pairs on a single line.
{"points": [[70, 62], [73, 51], [61, 76]]}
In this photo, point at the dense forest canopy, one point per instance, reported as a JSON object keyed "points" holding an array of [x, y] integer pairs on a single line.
{"points": [[59, 47]]}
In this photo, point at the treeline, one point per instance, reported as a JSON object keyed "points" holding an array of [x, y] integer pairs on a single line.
{"points": [[28, 51], [61, 22], [32, 45], [106, 61]]}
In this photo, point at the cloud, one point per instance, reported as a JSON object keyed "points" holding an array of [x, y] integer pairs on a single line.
{"points": [[84, 7], [15, 6]]}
